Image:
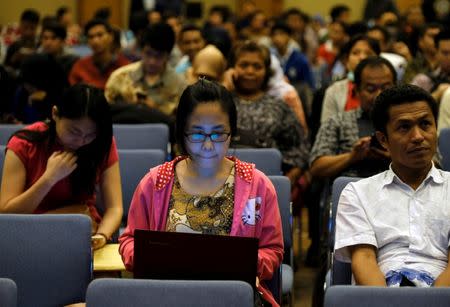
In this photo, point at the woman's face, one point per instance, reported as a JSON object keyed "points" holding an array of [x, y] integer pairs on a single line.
{"points": [[359, 52], [207, 119], [250, 72], [74, 133]]}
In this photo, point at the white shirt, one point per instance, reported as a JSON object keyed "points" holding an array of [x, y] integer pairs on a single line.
{"points": [[410, 228]]}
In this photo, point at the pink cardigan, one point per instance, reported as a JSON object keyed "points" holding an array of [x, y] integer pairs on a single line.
{"points": [[256, 214]]}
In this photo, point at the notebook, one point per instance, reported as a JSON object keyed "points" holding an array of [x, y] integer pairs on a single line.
{"points": [[188, 256]]}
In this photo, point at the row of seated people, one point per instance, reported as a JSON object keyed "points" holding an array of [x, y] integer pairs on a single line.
{"points": [[54, 167]]}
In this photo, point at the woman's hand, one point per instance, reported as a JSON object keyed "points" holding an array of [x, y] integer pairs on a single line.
{"points": [[98, 241], [60, 165]]}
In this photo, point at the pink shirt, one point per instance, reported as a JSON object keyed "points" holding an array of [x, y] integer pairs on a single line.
{"points": [[34, 157], [256, 214]]}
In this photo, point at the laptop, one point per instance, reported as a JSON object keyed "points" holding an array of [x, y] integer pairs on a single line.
{"points": [[188, 256]]}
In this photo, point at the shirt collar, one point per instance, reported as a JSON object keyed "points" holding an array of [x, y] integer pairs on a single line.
{"points": [[434, 174], [166, 171]]}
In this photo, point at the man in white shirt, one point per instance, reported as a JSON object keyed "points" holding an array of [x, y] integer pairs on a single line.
{"points": [[394, 227]]}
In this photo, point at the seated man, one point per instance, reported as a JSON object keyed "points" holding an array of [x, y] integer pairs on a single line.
{"points": [[151, 81], [343, 144], [95, 69], [394, 227]]}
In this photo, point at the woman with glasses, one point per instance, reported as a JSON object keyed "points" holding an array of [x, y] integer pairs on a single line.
{"points": [[203, 191]]}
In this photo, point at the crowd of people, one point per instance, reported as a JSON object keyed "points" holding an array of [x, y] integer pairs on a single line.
{"points": [[307, 86]]}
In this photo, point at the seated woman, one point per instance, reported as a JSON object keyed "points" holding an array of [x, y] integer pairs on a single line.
{"points": [[264, 120], [53, 167], [168, 197]]}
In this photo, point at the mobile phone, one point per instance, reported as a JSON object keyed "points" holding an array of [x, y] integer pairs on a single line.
{"points": [[375, 143]]}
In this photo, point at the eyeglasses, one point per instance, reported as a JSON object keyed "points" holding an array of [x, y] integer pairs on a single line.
{"points": [[200, 137]]}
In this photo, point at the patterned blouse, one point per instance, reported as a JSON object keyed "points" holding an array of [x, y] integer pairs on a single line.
{"points": [[269, 123], [202, 214]]}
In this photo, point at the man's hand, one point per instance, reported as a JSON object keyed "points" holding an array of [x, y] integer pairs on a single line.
{"points": [[360, 149]]}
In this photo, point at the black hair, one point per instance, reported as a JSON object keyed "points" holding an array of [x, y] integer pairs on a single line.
{"points": [[31, 16], [77, 102], [443, 35], [97, 22], [251, 46], [296, 12], [203, 91], [372, 62], [431, 25], [383, 30], [159, 36], [60, 12], [220, 38], [281, 26], [223, 10], [56, 28], [337, 10], [190, 27], [103, 13], [399, 95], [373, 44]]}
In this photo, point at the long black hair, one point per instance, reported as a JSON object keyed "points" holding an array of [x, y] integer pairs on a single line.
{"points": [[77, 102]]}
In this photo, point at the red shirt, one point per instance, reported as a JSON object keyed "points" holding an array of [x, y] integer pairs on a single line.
{"points": [[352, 100], [34, 157], [85, 71]]}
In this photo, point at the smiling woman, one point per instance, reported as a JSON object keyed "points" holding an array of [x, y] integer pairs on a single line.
{"points": [[53, 167]]}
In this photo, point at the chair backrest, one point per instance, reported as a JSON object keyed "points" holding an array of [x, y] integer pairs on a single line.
{"points": [[282, 186], [141, 136], [343, 296], [8, 293], [6, 130], [168, 293], [267, 160], [444, 148], [48, 256], [134, 164], [341, 272]]}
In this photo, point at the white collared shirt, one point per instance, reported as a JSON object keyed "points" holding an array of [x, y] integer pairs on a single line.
{"points": [[410, 228]]}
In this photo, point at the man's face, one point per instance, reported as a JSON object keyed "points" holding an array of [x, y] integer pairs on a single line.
{"points": [[444, 55], [28, 30], [50, 43], [191, 42], [280, 39], [153, 61], [373, 81], [99, 39], [411, 137], [426, 43]]}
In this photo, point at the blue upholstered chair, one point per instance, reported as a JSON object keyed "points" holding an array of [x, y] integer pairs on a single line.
{"points": [[444, 148], [48, 256], [134, 164], [267, 160], [168, 293], [141, 136], [363, 296], [8, 293], [6, 130], [341, 272]]}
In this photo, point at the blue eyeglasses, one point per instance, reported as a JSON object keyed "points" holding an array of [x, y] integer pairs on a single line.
{"points": [[200, 137]]}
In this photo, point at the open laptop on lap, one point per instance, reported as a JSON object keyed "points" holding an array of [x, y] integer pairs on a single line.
{"points": [[187, 256]]}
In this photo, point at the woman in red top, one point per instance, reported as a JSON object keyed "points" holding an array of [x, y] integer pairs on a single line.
{"points": [[53, 167]]}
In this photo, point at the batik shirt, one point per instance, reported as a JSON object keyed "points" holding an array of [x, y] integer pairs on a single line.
{"points": [[269, 123], [202, 214]]}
